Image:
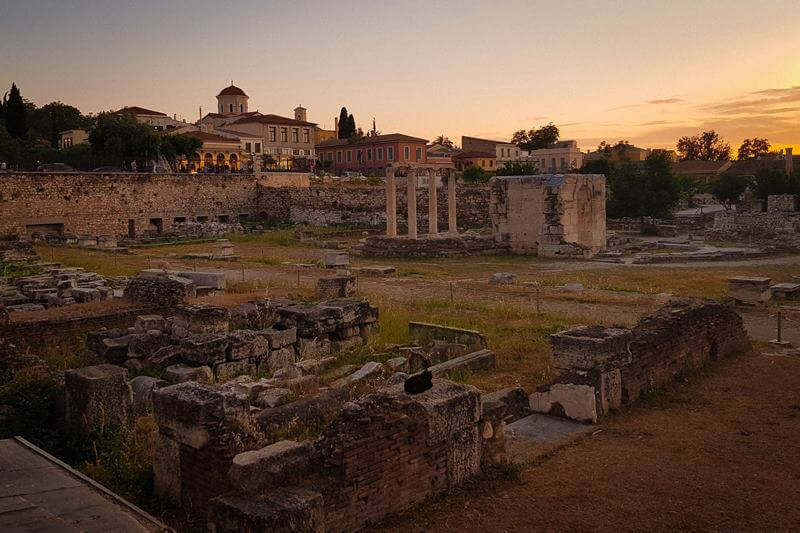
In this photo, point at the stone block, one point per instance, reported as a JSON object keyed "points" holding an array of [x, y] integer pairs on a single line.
{"points": [[145, 323], [336, 259], [282, 510], [205, 349], [246, 344], [231, 369], [167, 468], [336, 287], [215, 280], [749, 290], [180, 373], [423, 332], [280, 358], [189, 412], [166, 356], [369, 371], [143, 387], [503, 278], [279, 337], [585, 348], [398, 364], [115, 350], [97, 396], [313, 348], [276, 465], [193, 319], [271, 397], [377, 270], [475, 361], [313, 366], [144, 345], [577, 402]]}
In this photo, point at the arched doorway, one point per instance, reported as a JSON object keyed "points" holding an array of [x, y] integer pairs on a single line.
{"points": [[221, 159], [208, 160], [234, 161]]}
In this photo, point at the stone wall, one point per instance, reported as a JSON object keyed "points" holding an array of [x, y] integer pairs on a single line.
{"points": [[366, 205], [384, 453], [782, 203], [774, 227], [550, 214], [602, 368], [118, 205]]}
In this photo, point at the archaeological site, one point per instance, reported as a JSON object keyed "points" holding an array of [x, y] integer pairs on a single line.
{"points": [[267, 352]]}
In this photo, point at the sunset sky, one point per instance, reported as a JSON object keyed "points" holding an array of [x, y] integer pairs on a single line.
{"points": [[645, 71]]}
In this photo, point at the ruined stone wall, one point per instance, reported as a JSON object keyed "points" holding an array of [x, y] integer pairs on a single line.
{"points": [[102, 204], [602, 368], [550, 214], [366, 205], [755, 226], [782, 203]]}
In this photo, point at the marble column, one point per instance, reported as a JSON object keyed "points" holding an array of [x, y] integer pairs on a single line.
{"points": [[411, 200], [391, 204], [433, 216], [451, 202]]}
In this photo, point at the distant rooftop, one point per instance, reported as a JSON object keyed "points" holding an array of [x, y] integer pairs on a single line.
{"points": [[136, 110]]}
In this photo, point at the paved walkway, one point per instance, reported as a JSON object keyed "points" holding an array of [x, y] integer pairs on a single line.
{"points": [[40, 493]]}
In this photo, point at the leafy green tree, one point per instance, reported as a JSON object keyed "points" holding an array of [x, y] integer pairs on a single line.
{"points": [[753, 148], [53, 118], [16, 114], [535, 139], [707, 146], [475, 174], [175, 146], [771, 181], [728, 188], [643, 191], [517, 168], [604, 166], [116, 139]]}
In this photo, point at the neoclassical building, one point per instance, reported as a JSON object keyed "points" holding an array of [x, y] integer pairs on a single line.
{"points": [[280, 140]]}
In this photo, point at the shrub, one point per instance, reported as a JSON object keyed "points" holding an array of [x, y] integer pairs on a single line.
{"points": [[475, 174]]}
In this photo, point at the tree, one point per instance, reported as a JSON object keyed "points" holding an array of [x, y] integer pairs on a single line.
{"points": [[535, 139], [173, 147], [753, 148], [728, 188], [708, 146], [517, 168], [53, 118], [604, 166], [771, 181], [344, 124], [643, 191], [116, 139], [444, 141], [16, 114], [475, 174]]}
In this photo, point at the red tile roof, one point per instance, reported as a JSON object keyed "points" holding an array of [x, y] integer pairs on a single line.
{"points": [[389, 137], [232, 90], [272, 119], [210, 137]]}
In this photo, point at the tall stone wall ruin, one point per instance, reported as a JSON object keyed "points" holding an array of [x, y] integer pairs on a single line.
{"points": [[550, 214]]}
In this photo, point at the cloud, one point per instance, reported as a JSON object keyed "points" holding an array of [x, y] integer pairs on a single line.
{"points": [[655, 123], [772, 101], [661, 101]]}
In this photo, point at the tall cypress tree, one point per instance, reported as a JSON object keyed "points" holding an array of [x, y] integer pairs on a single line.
{"points": [[16, 114], [351, 126], [343, 124]]}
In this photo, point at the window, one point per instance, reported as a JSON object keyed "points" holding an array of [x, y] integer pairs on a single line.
{"points": [[258, 148], [379, 153], [241, 108], [272, 134], [349, 156], [406, 153], [248, 147], [295, 135], [553, 163], [306, 136], [419, 154], [221, 109], [491, 163], [517, 153], [483, 163], [339, 156], [563, 163], [230, 107], [330, 156], [358, 155], [390, 153], [502, 152], [369, 154], [284, 134]]}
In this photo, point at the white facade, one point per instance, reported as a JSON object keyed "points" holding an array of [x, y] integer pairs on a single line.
{"points": [[559, 157]]}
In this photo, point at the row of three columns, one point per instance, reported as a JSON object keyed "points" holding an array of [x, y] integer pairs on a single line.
{"points": [[433, 218]]}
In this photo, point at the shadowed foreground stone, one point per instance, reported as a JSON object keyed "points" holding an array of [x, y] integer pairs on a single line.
{"points": [[97, 396]]}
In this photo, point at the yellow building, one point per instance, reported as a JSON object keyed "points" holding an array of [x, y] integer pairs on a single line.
{"points": [[484, 160], [217, 151]]}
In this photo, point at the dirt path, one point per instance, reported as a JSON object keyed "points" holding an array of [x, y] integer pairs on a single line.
{"points": [[718, 452]]}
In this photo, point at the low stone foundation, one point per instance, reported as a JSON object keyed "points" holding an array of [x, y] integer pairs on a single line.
{"points": [[602, 368], [382, 454], [440, 246]]}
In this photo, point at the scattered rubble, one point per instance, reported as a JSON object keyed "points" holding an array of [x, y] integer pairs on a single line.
{"points": [[56, 287]]}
